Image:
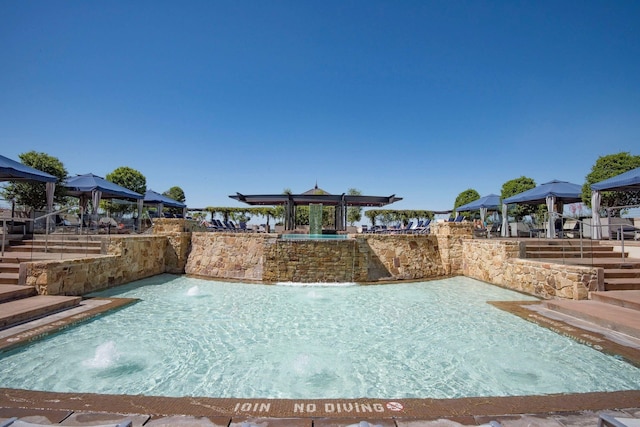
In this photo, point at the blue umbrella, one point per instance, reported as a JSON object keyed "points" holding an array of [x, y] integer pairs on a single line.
{"points": [[97, 188], [549, 193], [483, 204], [10, 170], [153, 198], [627, 181]]}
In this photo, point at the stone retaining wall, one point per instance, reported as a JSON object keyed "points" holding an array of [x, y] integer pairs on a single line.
{"points": [[497, 261], [129, 258], [177, 247]]}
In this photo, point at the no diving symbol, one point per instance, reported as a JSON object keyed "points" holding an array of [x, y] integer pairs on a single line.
{"points": [[395, 406]]}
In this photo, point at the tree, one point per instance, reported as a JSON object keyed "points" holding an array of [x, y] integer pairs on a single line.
{"points": [[354, 213], [517, 186], [128, 178], [607, 167], [33, 194], [176, 194], [467, 196]]}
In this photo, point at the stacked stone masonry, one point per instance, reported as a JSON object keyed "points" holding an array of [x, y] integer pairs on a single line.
{"points": [[177, 246]]}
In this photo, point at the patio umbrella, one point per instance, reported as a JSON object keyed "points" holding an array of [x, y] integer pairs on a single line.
{"points": [[90, 186], [483, 204], [548, 193], [627, 181]]}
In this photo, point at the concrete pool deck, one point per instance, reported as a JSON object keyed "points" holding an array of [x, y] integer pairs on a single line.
{"points": [[549, 410]]}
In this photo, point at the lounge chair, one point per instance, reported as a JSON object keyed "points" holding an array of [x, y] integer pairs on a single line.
{"points": [[15, 422], [425, 228]]}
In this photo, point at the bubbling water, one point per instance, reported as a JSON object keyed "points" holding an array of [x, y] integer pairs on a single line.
{"points": [[193, 291], [106, 355]]}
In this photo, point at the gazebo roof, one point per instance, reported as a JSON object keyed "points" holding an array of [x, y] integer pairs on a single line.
{"points": [[325, 199]]}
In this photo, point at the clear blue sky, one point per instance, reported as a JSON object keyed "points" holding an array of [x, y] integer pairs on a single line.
{"points": [[422, 99]]}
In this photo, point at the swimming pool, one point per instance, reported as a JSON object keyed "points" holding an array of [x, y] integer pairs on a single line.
{"points": [[191, 337]]}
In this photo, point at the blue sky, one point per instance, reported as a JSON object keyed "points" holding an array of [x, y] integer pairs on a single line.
{"points": [[422, 99]]}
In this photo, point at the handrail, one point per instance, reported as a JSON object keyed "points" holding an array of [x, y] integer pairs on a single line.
{"points": [[621, 229], [47, 217]]}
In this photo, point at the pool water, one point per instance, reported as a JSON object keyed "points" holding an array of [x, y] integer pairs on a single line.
{"points": [[191, 337]]}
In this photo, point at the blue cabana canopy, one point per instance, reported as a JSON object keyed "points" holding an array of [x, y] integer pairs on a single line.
{"points": [[629, 180], [89, 183], [563, 191], [10, 170], [151, 197], [492, 201], [548, 193], [92, 187]]}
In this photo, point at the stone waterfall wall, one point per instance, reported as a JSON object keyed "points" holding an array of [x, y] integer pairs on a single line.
{"points": [[228, 255], [361, 258]]}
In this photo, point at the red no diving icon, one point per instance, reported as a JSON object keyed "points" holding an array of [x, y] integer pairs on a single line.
{"points": [[395, 406]]}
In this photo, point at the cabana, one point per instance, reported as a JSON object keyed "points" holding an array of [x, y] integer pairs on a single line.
{"points": [[483, 204], [627, 181], [313, 196], [548, 193], [160, 201], [10, 170], [92, 187]]}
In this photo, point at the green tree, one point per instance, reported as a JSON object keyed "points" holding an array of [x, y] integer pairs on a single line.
{"points": [[128, 178], [607, 167], [175, 193], [354, 213], [33, 194], [517, 186], [467, 196]]}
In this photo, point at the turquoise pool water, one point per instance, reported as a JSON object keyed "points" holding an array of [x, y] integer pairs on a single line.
{"points": [[190, 337]]}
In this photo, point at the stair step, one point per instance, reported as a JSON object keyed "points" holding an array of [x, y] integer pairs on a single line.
{"points": [[550, 248], [53, 249], [616, 318], [58, 242], [621, 284], [568, 254], [9, 278], [25, 309], [13, 292], [9, 267], [622, 272], [627, 299]]}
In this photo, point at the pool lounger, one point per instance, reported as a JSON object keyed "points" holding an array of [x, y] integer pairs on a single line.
{"points": [[611, 421], [14, 422]]}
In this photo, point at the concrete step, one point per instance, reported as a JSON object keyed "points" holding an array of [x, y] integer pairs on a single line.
{"points": [[25, 309], [58, 242], [13, 292], [621, 284], [9, 267], [616, 318], [569, 254], [9, 278], [627, 299], [53, 249], [618, 273], [569, 248]]}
